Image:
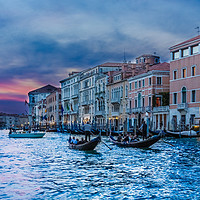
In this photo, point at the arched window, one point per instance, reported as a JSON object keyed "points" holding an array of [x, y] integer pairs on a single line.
{"points": [[184, 95]]}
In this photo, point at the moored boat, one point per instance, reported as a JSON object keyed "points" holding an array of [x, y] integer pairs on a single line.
{"points": [[137, 144], [183, 134], [87, 146], [26, 134]]}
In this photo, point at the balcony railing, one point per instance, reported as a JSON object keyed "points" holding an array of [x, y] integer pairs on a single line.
{"points": [[74, 95], [100, 95], [182, 106], [128, 110], [74, 112], [115, 100], [161, 109], [86, 102], [115, 114], [148, 109], [100, 112], [138, 110]]}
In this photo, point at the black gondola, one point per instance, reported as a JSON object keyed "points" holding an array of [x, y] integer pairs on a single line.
{"points": [[138, 144], [88, 146], [183, 134], [162, 132]]}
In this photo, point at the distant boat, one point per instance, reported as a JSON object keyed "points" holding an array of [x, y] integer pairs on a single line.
{"points": [[183, 134], [26, 134], [137, 144], [87, 146]]}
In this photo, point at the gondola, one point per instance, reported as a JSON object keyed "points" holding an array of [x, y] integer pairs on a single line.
{"points": [[183, 134], [157, 132], [88, 146], [137, 144]]}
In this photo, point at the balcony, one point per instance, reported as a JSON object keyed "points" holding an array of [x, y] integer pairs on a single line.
{"points": [[86, 102], [148, 109], [100, 95], [128, 110], [138, 110], [161, 109], [100, 112], [74, 112], [115, 113], [182, 106], [115, 100], [74, 96]]}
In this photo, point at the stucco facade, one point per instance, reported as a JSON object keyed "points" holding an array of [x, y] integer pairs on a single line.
{"points": [[184, 83]]}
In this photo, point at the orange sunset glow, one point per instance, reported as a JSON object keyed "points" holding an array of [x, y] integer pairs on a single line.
{"points": [[17, 89]]}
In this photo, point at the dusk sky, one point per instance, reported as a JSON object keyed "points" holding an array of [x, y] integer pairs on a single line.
{"points": [[42, 41]]}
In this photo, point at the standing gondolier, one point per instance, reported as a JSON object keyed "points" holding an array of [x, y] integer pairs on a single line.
{"points": [[143, 128], [87, 129]]}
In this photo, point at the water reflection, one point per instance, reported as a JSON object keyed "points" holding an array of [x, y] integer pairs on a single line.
{"points": [[47, 169]]}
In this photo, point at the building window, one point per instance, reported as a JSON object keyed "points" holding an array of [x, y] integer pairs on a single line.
{"points": [[184, 73], [149, 101], [143, 101], [130, 105], [149, 81], [156, 60], [135, 103], [122, 92], [159, 80], [194, 49], [175, 98], [192, 119], [175, 55], [139, 100], [130, 86], [143, 83], [193, 96], [126, 91], [136, 85], [158, 101], [139, 84], [175, 75], [193, 71], [184, 95], [185, 52]]}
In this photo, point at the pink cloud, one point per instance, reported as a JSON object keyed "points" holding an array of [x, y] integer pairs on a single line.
{"points": [[17, 89]]}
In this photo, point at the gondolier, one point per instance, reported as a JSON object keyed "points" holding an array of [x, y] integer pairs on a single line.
{"points": [[143, 128], [87, 129]]}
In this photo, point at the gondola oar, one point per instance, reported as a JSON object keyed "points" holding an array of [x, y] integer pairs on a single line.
{"points": [[101, 140], [106, 145], [168, 143]]}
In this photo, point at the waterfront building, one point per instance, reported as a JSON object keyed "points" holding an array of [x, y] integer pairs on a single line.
{"points": [[13, 120], [70, 98], [53, 108], [117, 96], [40, 114], [36, 98], [184, 83], [101, 101], [87, 90], [149, 92]]}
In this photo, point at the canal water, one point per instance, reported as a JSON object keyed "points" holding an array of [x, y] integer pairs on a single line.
{"points": [[47, 169]]}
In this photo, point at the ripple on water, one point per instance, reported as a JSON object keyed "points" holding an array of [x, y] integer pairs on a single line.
{"points": [[46, 169]]}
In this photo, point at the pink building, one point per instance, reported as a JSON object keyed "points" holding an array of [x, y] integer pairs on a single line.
{"points": [[184, 83], [117, 96], [149, 92]]}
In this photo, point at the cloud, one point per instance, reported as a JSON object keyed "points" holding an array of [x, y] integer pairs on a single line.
{"points": [[44, 40], [17, 89]]}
